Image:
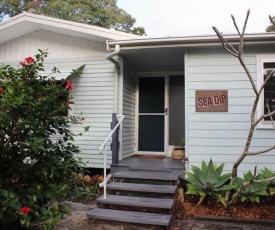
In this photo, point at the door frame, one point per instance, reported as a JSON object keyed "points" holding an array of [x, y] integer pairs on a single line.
{"points": [[166, 117]]}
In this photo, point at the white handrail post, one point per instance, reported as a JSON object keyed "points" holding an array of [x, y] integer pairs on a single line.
{"points": [[105, 157], [105, 169]]}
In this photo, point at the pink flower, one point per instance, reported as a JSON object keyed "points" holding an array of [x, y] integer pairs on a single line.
{"points": [[25, 210], [1, 90], [23, 63], [69, 85], [29, 60]]}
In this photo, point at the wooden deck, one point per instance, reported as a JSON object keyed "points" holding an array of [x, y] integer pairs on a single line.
{"points": [[138, 164]]}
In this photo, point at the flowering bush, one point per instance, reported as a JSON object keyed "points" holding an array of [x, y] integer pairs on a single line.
{"points": [[36, 146]]}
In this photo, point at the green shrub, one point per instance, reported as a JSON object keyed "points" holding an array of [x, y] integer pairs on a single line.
{"points": [[207, 181], [265, 174], [253, 190], [35, 169]]}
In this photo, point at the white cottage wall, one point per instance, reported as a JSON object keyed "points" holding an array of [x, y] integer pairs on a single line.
{"points": [[128, 126], [58, 45], [222, 136]]}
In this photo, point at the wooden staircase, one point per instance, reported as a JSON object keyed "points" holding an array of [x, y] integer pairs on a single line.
{"points": [[138, 197]]}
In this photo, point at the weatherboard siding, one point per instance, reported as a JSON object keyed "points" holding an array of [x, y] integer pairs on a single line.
{"points": [[128, 127], [58, 45], [222, 136]]}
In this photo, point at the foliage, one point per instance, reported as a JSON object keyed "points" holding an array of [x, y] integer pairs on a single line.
{"points": [[103, 13], [207, 181], [265, 174], [35, 168], [180, 146], [253, 190], [271, 28]]}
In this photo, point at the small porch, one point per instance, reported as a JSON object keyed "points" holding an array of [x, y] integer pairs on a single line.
{"points": [[151, 164]]}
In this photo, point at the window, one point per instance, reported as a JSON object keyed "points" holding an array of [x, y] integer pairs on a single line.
{"points": [[264, 64]]}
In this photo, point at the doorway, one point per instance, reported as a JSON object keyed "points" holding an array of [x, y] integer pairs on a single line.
{"points": [[152, 115]]}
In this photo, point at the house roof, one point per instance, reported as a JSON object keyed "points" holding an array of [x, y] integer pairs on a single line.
{"points": [[26, 23], [190, 41]]}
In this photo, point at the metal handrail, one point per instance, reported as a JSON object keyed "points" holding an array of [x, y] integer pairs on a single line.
{"points": [[103, 147]]}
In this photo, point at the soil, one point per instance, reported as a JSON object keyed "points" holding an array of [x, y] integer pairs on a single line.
{"points": [[210, 208]]}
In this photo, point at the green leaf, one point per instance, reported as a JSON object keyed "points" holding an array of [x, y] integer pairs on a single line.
{"points": [[272, 191], [222, 200], [202, 196], [4, 193]]}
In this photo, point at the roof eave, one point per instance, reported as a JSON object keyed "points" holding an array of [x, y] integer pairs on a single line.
{"points": [[33, 22], [194, 41]]}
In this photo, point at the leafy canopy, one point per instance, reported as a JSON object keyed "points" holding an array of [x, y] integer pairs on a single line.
{"points": [[103, 13]]}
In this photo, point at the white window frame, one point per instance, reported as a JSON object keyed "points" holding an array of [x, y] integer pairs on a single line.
{"points": [[260, 108]]}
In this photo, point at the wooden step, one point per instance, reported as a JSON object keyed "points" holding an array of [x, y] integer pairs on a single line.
{"points": [[167, 189], [137, 201], [147, 176], [129, 216], [147, 168]]}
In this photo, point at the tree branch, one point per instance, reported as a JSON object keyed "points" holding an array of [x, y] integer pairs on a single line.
{"points": [[260, 152], [270, 74], [225, 43], [271, 118]]}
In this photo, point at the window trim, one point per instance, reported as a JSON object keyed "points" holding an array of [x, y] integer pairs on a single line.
{"points": [[260, 108]]}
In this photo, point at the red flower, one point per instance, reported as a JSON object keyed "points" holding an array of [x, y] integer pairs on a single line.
{"points": [[25, 210], [23, 63], [82, 119], [29, 60], [1, 90], [69, 85]]}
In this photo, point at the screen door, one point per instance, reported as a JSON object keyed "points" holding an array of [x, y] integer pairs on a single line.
{"points": [[151, 114]]}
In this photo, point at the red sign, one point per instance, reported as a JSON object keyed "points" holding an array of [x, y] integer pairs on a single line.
{"points": [[212, 101]]}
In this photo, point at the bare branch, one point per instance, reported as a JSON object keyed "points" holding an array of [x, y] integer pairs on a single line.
{"points": [[225, 44], [271, 118], [269, 114], [235, 24], [245, 23], [265, 180], [249, 75], [260, 152], [270, 74], [258, 120]]}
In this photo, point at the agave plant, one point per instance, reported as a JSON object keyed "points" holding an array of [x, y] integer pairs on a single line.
{"points": [[208, 181], [253, 190]]}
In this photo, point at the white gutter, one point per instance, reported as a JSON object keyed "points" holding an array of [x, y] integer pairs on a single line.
{"points": [[110, 57], [190, 41]]}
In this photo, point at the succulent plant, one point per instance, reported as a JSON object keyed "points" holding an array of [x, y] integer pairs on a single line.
{"points": [[207, 181], [253, 190]]}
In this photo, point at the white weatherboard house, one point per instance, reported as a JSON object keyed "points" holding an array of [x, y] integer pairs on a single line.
{"points": [[155, 84]]}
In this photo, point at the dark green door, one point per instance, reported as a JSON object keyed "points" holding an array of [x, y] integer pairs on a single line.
{"points": [[151, 118]]}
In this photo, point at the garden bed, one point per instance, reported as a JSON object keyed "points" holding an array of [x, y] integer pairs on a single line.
{"points": [[210, 208]]}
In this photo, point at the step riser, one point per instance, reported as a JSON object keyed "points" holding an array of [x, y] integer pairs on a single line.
{"points": [[115, 169], [162, 189]]}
